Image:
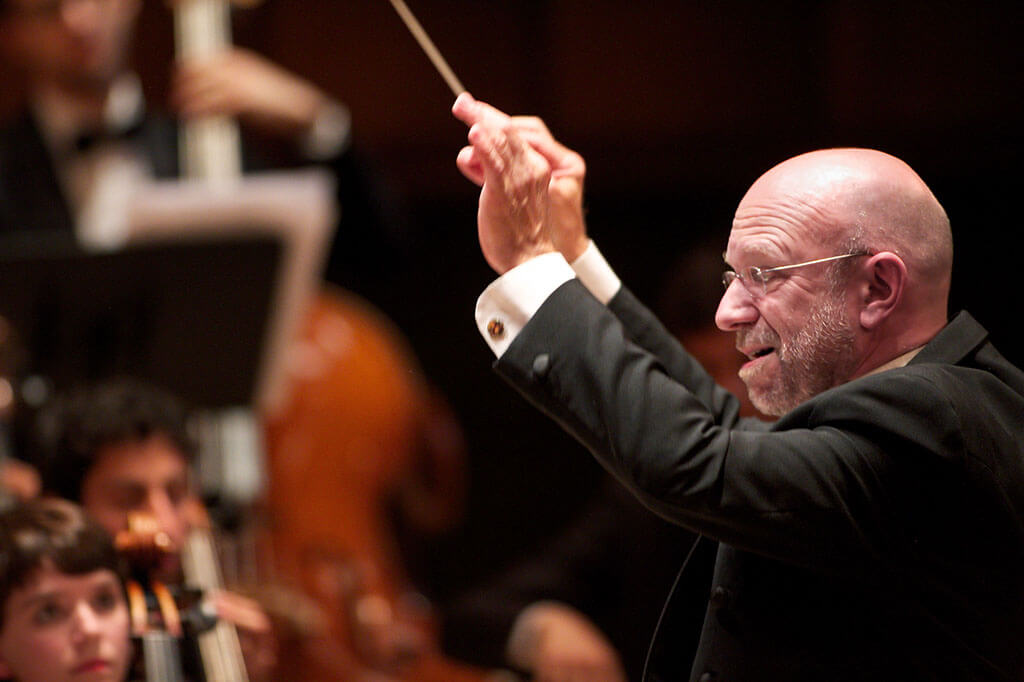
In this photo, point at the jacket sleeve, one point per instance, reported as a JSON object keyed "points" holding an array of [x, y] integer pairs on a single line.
{"points": [[644, 328], [819, 478]]}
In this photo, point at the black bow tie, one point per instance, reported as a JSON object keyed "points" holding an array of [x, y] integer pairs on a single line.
{"points": [[87, 140]]}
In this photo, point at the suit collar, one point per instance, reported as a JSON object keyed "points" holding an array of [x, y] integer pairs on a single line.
{"points": [[957, 340], [901, 361], [34, 198], [952, 344]]}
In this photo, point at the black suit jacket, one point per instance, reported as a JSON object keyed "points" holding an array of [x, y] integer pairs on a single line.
{"points": [[876, 532]]}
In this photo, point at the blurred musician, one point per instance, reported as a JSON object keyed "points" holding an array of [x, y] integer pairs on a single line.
{"points": [[87, 136], [122, 448], [63, 614]]}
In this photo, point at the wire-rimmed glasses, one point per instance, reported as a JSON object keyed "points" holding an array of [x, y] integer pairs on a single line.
{"points": [[755, 279]]}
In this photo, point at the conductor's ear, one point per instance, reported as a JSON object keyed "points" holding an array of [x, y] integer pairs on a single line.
{"points": [[885, 281]]}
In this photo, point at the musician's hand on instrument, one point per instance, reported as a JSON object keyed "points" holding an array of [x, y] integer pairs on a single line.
{"points": [[559, 644], [241, 83], [255, 633], [514, 203]]}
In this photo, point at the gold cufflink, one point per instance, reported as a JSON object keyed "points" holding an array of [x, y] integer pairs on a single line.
{"points": [[496, 328]]}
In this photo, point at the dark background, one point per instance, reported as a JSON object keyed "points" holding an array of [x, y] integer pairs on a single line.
{"points": [[677, 107]]}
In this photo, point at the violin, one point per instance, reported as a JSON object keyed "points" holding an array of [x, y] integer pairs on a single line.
{"points": [[156, 630], [161, 616]]}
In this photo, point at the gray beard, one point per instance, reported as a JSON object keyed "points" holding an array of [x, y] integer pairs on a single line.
{"points": [[817, 358]]}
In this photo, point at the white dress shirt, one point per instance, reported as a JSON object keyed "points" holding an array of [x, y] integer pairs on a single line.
{"points": [[98, 182], [505, 306]]}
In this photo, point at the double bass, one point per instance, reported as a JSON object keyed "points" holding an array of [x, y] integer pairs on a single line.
{"points": [[356, 430]]}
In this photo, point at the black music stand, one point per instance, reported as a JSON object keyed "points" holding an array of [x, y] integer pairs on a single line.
{"points": [[188, 315], [200, 289]]}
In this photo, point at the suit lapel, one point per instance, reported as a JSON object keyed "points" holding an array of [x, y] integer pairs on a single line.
{"points": [[32, 195], [674, 645]]}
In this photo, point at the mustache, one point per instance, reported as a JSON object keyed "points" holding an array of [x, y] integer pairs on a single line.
{"points": [[756, 337]]}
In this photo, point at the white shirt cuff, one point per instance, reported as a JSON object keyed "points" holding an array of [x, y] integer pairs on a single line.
{"points": [[505, 306], [596, 275]]}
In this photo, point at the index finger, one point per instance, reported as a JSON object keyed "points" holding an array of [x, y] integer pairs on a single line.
{"points": [[471, 111]]}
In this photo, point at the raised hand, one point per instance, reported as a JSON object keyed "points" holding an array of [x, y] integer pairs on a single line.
{"points": [[512, 219], [568, 230], [565, 191]]}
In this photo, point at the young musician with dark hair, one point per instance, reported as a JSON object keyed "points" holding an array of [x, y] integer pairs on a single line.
{"points": [[63, 614]]}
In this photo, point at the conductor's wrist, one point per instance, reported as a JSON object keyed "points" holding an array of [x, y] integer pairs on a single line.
{"points": [[528, 254], [573, 249]]}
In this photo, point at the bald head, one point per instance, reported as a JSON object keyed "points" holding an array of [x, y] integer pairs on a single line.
{"points": [[853, 199], [866, 196]]}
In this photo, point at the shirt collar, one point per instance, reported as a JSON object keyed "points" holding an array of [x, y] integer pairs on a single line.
{"points": [[61, 119], [901, 361]]}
